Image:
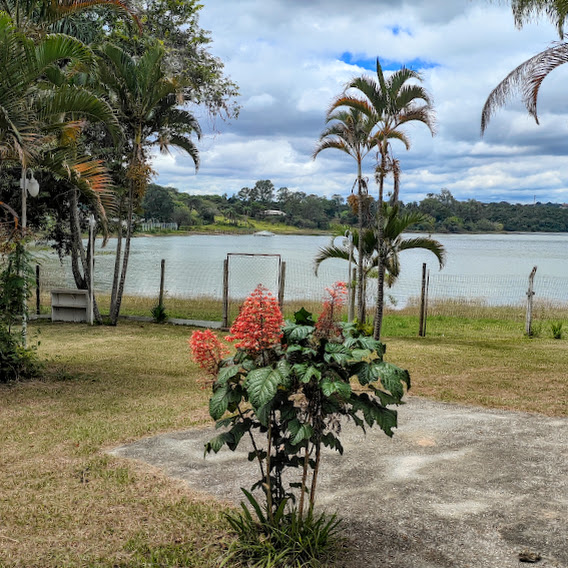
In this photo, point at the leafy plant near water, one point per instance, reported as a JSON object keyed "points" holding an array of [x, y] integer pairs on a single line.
{"points": [[286, 389], [556, 329], [159, 313], [16, 361]]}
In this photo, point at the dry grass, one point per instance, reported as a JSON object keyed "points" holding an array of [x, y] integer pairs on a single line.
{"points": [[65, 503]]}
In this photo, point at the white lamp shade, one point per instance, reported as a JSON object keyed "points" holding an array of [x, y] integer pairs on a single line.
{"points": [[33, 186]]}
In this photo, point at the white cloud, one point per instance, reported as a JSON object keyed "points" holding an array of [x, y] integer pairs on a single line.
{"points": [[285, 56]]}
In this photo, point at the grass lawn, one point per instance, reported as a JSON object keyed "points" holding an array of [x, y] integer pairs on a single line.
{"points": [[65, 503]]}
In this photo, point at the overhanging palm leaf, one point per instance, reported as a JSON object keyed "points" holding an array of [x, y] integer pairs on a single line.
{"points": [[526, 79], [527, 10]]}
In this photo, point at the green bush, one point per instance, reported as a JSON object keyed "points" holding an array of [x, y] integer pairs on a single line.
{"points": [[16, 362]]}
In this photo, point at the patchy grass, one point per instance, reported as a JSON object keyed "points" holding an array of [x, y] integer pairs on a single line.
{"points": [[66, 503]]}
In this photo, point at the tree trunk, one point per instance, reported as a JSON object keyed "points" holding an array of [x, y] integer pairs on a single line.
{"points": [[81, 270], [118, 291], [380, 244], [361, 308]]}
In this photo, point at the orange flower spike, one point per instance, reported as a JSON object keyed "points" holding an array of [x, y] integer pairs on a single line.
{"points": [[258, 325]]}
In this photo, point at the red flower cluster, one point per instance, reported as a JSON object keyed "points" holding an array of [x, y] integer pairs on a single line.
{"points": [[259, 323], [326, 325], [207, 351]]}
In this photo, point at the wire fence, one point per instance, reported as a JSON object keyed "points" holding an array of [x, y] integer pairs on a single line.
{"points": [[196, 291]]}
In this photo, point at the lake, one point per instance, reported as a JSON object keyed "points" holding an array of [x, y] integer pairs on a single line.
{"points": [[491, 267]]}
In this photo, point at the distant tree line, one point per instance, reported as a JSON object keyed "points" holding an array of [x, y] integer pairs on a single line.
{"points": [[445, 214], [448, 215]]}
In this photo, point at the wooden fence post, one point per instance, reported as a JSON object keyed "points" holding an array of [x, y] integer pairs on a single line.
{"points": [[281, 284], [530, 297], [421, 327], [162, 277], [37, 290], [226, 293]]}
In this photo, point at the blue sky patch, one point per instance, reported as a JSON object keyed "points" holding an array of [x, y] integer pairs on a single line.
{"points": [[388, 65]]}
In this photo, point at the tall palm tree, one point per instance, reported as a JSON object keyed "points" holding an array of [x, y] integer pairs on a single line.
{"points": [[349, 130], [390, 103], [395, 224], [148, 104]]}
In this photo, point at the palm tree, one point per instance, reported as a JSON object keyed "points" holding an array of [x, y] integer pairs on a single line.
{"points": [[34, 17], [390, 104], [527, 78], [147, 102], [395, 224], [36, 104], [349, 131]]}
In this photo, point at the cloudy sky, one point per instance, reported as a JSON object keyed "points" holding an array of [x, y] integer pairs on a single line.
{"points": [[290, 58]]}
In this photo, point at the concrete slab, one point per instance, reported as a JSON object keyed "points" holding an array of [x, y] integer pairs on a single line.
{"points": [[457, 486]]}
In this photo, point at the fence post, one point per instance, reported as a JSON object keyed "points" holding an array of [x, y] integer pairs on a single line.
{"points": [[421, 327], [530, 297], [281, 285], [37, 290], [162, 276], [226, 293]]}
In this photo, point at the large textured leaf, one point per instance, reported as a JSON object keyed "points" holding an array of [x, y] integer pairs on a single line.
{"points": [[392, 378], [298, 332], [219, 402], [364, 373], [262, 384], [329, 388], [374, 412], [310, 373], [227, 373], [218, 442], [304, 433]]}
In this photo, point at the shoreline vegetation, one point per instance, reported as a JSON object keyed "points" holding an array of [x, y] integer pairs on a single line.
{"points": [[263, 208]]}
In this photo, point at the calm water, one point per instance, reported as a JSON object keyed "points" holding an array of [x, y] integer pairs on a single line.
{"points": [[194, 264]]}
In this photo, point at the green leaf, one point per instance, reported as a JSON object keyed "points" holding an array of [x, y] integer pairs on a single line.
{"points": [[331, 441], [336, 352], [374, 412], [305, 373], [392, 378], [227, 373], [298, 332], [364, 373], [262, 384], [303, 317], [304, 433], [285, 370], [218, 442], [219, 402], [329, 388], [263, 413]]}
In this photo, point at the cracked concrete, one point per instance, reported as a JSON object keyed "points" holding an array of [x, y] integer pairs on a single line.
{"points": [[456, 487]]}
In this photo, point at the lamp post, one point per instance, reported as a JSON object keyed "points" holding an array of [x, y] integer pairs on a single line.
{"points": [[31, 186]]}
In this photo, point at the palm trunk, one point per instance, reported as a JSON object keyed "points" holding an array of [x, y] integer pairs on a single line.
{"points": [[360, 285], [119, 291], [117, 259], [81, 272], [380, 244]]}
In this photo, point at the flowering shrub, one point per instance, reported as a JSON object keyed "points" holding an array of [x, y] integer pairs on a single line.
{"points": [[287, 387], [327, 324], [259, 323]]}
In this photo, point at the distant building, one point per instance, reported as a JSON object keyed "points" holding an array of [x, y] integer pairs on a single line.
{"points": [[273, 213]]}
